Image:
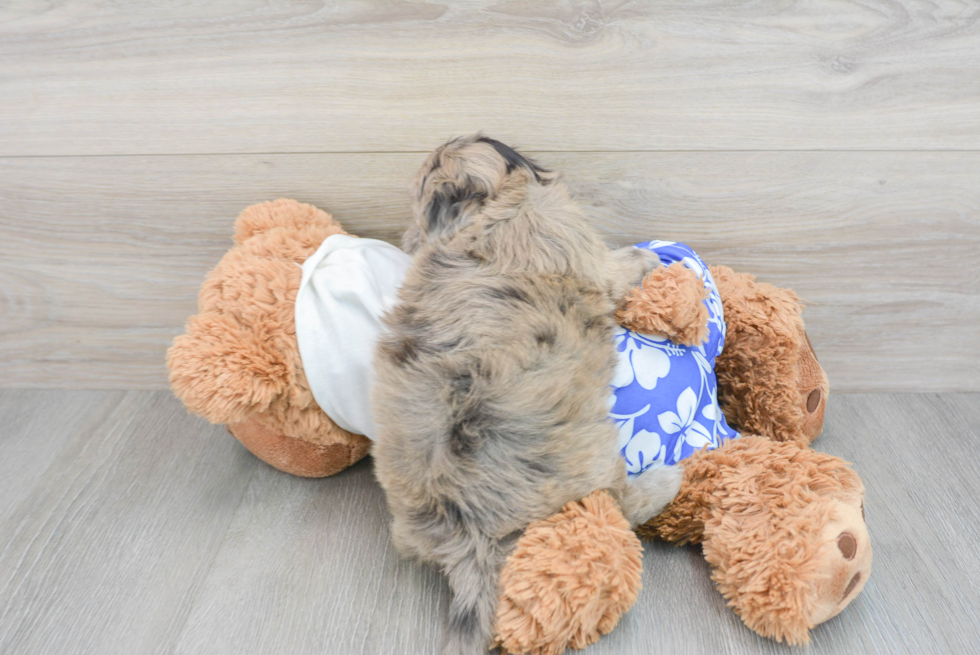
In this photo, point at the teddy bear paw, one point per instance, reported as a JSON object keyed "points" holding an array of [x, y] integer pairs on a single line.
{"points": [[846, 566], [670, 302], [570, 579]]}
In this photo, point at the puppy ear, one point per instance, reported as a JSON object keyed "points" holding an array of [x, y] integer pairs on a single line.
{"points": [[450, 203], [459, 177], [440, 210], [440, 213], [516, 160], [455, 179]]}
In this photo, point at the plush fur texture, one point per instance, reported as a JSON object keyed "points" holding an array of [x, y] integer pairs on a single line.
{"points": [[491, 398], [238, 362], [669, 302], [570, 579], [767, 373], [759, 508]]}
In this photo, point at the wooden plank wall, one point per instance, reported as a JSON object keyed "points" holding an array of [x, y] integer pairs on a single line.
{"points": [[833, 147]]}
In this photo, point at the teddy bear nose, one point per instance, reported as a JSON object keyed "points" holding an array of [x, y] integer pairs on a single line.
{"points": [[848, 548], [813, 400]]}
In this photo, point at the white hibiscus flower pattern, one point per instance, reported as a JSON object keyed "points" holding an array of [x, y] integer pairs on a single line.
{"points": [[665, 396]]}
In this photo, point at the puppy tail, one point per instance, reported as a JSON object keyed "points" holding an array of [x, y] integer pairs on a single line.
{"points": [[474, 583]]}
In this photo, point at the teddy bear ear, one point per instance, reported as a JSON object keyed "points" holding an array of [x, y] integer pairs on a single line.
{"points": [[223, 371]]}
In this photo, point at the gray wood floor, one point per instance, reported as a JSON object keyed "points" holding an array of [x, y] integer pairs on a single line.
{"points": [[128, 526]]}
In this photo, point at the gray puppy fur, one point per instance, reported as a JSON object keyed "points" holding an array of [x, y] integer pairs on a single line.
{"points": [[492, 387]]}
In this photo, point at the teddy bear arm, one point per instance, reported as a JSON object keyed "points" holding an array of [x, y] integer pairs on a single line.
{"points": [[224, 371], [668, 302]]}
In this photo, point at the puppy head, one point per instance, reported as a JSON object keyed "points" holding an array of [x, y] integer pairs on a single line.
{"points": [[458, 178]]}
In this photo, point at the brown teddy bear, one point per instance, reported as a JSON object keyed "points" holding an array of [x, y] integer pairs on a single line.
{"points": [[781, 525]]}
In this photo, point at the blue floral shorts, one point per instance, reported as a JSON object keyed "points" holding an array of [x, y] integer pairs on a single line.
{"points": [[665, 396]]}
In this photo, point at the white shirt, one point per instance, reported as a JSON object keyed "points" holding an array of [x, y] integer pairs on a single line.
{"points": [[347, 285]]}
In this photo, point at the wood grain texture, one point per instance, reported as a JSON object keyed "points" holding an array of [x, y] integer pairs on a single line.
{"points": [[256, 76], [101, 258], [954, 511], [907, 449], [36, 427], [307, 566], [144, 530], [107, 549]]}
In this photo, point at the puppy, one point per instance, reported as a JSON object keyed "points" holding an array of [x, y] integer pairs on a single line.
{"points": [[492, 375]]}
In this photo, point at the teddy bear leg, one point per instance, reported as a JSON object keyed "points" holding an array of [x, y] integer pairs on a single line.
{"points": [[805, 571], [569, 580], [769, 380], [782, 527], [297, 456]]}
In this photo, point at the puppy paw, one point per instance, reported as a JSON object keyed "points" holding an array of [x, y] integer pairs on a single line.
{"points": [[670, 302]]}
